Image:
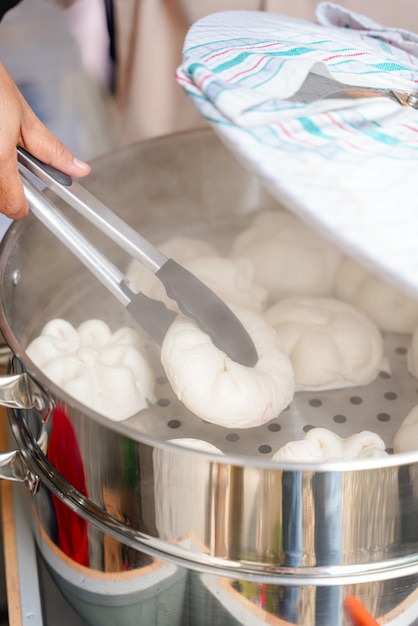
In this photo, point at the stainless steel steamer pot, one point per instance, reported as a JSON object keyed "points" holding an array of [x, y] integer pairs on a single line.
{"points": [[137, 530]]}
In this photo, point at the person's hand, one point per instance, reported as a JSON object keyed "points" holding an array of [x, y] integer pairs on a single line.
{"points": [[19, 126]]}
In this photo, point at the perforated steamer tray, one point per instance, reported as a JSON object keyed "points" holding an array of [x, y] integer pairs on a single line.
{"points": [[380, 406]]}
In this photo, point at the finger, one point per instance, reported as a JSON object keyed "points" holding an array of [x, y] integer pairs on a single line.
{"points": [[13, 201], [46, 147]]}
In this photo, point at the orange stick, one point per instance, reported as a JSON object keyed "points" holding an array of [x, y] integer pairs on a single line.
{"points": [[356, 614]]}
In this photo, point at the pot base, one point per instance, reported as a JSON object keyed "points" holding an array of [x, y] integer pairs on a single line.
{"points": [[166, 595]]}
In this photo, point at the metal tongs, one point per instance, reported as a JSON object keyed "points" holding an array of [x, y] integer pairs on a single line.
{"points": [[193, 297], [317, 87]]}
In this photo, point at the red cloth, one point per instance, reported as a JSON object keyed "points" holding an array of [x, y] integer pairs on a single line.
{"points": [[64, 454]]}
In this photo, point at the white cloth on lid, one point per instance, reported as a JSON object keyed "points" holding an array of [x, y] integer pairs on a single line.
{"points": [[348, 167]]}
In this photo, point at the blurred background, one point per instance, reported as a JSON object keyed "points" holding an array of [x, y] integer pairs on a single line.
{"points": [[101, 73]]}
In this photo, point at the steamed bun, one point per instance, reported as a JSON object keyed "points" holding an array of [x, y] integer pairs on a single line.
{"points": [[106, 371], [195, 444], [220, 390], [230, 279], [389, 307], [406, 439], [412, 354], [321, 444], [182, 250], [330, 343], [288, 258]]}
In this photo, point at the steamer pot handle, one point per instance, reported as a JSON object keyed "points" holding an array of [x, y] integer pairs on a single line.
{"points": [[17, 391], [13, 467]]}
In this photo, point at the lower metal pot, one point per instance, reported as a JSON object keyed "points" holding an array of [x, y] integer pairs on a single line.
{"points": [[137, 530]]}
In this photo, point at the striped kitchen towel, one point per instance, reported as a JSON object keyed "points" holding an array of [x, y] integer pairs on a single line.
{"points": [[347, 167]]}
